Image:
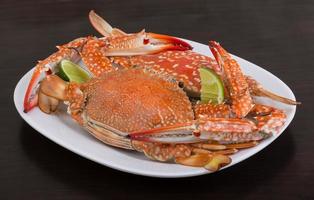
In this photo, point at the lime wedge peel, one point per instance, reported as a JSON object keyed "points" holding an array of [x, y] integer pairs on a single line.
{"points": [[212, 88], [72, 72]]}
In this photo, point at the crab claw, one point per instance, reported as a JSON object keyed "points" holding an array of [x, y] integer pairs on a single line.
{"points": [[234, 80], [48, 66], [143, 43], [171, 43], [31, 97]]}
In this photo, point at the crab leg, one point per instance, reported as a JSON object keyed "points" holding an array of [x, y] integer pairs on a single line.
{"points": [[184, 154], [257, 89]]}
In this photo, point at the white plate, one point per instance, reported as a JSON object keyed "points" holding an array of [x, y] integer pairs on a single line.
{"points": [[61, 129]]}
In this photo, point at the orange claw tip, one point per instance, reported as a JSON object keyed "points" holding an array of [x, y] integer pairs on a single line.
{"points": [[214, 44], [216, 50], [31, 98], [169, 47], [30, 101], [30, 105]]}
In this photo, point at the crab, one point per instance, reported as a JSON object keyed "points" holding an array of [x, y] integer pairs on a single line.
{"points": [[150, 113], [147, 108]]}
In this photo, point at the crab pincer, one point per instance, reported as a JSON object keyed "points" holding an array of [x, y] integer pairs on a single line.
{"points": [[234, 80], [132, 44], [46, 67]]}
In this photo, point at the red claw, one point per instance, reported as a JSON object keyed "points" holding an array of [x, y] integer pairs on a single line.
{"points": [[218, 52], [45, 67], [31, 98], [29, 104], [234, 80], [173, 43]]}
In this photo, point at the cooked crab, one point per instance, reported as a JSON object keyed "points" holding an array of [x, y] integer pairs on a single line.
{"points": [[145, 109]]}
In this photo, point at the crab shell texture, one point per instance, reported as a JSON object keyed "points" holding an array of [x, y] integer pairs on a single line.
{"points": [[136, 99], [183, 65]]}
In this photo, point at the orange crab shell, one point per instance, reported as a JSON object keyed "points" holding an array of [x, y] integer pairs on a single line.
{"points": [[183, 65], [136, 99]]}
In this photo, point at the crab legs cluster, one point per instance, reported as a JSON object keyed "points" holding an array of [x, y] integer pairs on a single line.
{"points": [[204, 140]]}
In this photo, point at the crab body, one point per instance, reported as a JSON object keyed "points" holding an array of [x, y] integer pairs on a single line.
{"points": [[135, 99]]}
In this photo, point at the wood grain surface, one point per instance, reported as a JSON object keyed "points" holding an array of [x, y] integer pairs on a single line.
{"points": [[277, 35]]}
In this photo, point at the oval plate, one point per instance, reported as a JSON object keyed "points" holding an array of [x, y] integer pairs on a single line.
{"points": [[61, 129]]}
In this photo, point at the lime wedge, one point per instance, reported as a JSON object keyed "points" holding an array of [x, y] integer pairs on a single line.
{"points": [[70, 71], [212, 88]]}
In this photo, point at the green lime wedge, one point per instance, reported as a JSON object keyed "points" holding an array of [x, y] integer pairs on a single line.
{"points": [[70, 71], [212, 88]]}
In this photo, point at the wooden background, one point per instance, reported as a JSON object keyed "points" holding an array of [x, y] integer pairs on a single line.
{"points": [[277, 35]]}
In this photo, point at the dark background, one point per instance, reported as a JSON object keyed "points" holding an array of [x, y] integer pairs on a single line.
{"points": [[277, 35]]}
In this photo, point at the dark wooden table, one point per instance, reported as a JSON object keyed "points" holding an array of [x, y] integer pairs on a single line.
{"points": [[277, 35]]}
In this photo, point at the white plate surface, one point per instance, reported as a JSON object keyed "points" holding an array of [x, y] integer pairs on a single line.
{"points": [[61, 129]]}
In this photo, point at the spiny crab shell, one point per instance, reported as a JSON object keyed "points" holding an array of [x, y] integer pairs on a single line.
{"points": [[136, 99], [183, 65]]}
